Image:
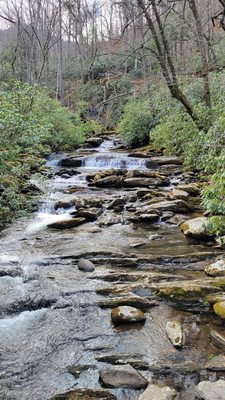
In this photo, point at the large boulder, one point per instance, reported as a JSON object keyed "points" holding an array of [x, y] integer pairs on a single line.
{"points": [[216, 269], [127, 314], [207, 390], [154, 392], [122, 376], [196, 228]]}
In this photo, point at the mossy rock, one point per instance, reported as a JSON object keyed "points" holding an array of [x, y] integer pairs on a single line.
{"points": [[219, 309]]}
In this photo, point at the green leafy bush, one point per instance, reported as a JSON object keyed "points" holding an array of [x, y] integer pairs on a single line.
{"points": [[136, 123], [31, 126]]}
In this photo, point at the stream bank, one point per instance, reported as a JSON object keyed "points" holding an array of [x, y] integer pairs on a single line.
{"points": [[120, 211]]}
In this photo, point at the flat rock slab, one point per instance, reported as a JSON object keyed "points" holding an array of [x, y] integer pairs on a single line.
{"points": [[86, 265], [218, 339], [85, 394], [122, 376], [127, 314], [216, 269], [207, 390], [67, 223], [175, 333], [154, 392]]}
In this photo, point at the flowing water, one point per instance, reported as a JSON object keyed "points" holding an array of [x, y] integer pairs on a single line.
{"points": [[50, 314]]}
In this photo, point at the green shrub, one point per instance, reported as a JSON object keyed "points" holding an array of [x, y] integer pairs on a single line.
{"points": [[135, 124], [31, 126]]}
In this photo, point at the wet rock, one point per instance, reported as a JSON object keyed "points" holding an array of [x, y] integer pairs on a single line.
{"points": [[196, 228], [216, 364], [132, 301], [187, 295], [207, 390], [90, 214], [175, 367], [94, 141], [177, 206], [109, 181], [155, 237], [86, 265], [219, 309], [175, 333], [76, 370], [122, 376], [179, 194], [119, 202], [133, 359], [148, 217], [67, 223], [85, 394], [169, 215], [192, 188], [165, 160], [137, 243], [71, 162], [218, 339], [139, 182], [67, 203], [127, 314], [111, 219], [176, 220], [143, 192], [216, 269], [142, 173], [154, 392]]}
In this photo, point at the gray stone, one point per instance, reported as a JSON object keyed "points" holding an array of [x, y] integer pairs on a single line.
{"points": [[154, 392], [196, 228], [207, 390], [216, 269], [86, 265], [122, 376], [175, 333]]}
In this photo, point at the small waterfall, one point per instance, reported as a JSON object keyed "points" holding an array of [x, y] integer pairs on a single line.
{"points": [[106, 146], [53, 161], [107, 161]]}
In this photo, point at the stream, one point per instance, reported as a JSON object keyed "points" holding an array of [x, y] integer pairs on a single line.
{"points": [[56, 331]]}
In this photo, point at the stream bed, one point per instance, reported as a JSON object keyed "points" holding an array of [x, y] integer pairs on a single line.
{"points": [[56, 331]]}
